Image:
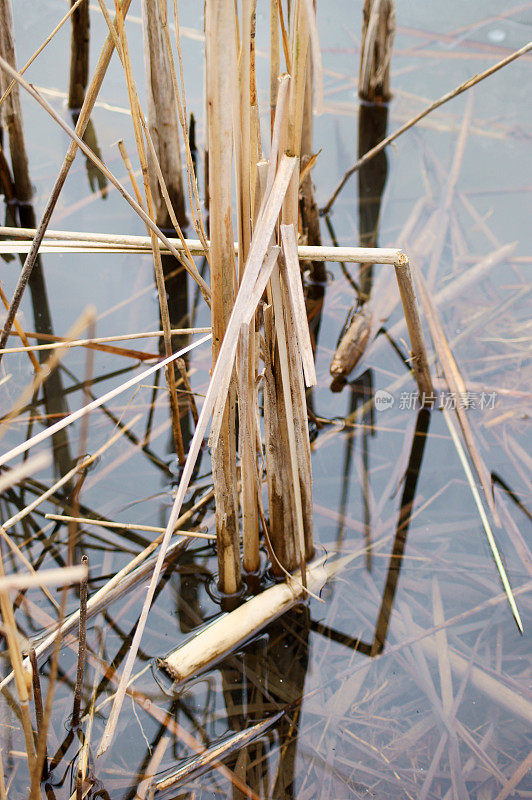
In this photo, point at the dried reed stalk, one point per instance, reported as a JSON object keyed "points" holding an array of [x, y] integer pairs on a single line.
{"points": [[219, 386], [356, 255], [376, 41], [247, 144], [219, 37], [420, 365], [162, 116], [12, 110]]}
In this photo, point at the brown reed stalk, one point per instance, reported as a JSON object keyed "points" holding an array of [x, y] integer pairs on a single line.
{"points": [[21, 676], [13, 110], [37, 770], [378, 30], [195, 204], [162, 116], [83, 120], [292, 133], [79, 54], [256, 275], [150, 208], [37, 696], [219, 41], [246, 151]]}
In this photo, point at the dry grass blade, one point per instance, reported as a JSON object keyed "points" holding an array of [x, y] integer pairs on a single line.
{"points": [[457, 387], [63, 423], [127, 526], [487, 527]]}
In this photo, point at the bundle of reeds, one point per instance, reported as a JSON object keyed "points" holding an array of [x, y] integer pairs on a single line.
{"points": [[261, 346]]}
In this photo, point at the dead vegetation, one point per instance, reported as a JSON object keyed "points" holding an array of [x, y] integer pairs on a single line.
{"points": [[365, 651]]}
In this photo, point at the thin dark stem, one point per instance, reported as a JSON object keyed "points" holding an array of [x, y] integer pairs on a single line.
{"points": [[82, 646]]}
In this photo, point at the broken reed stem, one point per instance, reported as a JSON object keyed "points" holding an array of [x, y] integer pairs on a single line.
{"points": [[82, 635], [420, 365], [83, 120], [230, 630], [219, 42], [79, 54], [432, 107], [378, 30], [150, 208]]}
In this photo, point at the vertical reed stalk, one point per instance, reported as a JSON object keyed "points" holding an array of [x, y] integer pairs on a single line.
{"points": [[162, 116], [246, 151], [299, 42], [79, 55], [159, 276], [13, 111], [221, 67]]}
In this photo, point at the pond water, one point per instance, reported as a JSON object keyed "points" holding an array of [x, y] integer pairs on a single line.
{"points": [[411, 679]]}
